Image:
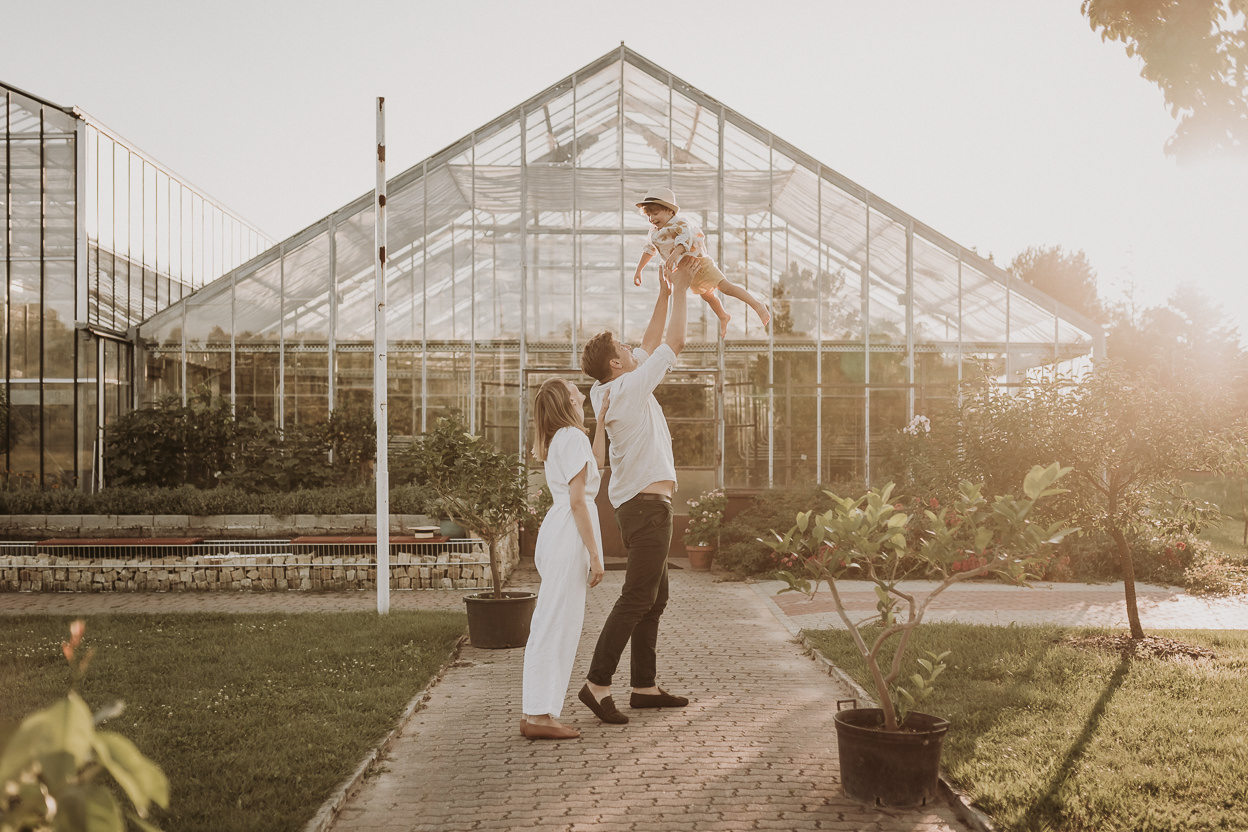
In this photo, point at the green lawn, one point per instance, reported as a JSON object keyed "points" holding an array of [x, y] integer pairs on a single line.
{"points": [[256, 719], [1046, 736]]}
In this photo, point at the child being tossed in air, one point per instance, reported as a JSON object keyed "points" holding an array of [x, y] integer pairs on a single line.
{"points": [[672, 238]]}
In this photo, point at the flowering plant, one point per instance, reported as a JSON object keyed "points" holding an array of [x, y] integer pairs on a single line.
{"points": [[706, 514]]}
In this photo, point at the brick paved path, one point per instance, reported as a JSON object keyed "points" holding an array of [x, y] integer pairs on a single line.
{"points": [[755, 749]]}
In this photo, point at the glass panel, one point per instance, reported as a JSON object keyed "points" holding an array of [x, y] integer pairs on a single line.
{"points": [[58, 435], [796, 426], [61, 198], [256, 384], [445, 389], [25, 199], [307, 387], [597, 132], [843, 416], [498, 399], [257, 305], [688, 402], [208, 317], [58, 320], [745, 420], [208, 370], [353, 241], [25, 319], [1029, 322], [86, 392], [887, 281], [983, 307], [306, 298], [935, 293]]}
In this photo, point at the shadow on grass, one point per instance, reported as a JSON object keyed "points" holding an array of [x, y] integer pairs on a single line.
{"points": [[1062, 772]]}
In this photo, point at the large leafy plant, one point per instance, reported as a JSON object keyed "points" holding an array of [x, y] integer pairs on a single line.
{"points": [[870, 538], [52, 767]]}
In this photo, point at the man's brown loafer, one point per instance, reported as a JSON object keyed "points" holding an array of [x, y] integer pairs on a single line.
{"points": [[604, 710], [662, 699]]}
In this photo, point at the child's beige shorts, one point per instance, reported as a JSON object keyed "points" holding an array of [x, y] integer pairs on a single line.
{"points": [[706, 278]]}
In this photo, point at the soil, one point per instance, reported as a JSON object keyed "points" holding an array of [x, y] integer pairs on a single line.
{"points": [[1149, 647]]}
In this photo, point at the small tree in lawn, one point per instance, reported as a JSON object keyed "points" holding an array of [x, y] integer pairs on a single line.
{"points": [[479, 487], [1129, 442]]}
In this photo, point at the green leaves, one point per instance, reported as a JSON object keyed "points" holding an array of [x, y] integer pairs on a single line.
{"points": [[49, 765]]}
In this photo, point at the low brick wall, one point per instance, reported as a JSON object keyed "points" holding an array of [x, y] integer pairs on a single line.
{"points": [[465, 568]]}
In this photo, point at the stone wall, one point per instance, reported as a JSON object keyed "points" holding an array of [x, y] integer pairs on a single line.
{"points": [[460, 564]]}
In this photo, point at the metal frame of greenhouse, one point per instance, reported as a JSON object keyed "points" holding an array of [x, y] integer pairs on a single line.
{"points": [[512, 247]]}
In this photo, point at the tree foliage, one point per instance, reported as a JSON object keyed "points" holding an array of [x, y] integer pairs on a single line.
{"points": [[1189, 338], [479, 487], [1197, 53], [1128, 439], [1064, 276]]}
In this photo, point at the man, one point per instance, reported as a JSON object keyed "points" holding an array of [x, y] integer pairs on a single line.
{"points": [[643, 479]]}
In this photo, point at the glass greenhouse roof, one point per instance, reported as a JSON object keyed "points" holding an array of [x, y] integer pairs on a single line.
{"points": [[525, 231]]}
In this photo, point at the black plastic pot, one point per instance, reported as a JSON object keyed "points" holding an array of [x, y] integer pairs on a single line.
{"points": [[499, 622], [889, 768]]}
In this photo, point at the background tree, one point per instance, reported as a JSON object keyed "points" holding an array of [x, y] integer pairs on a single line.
{"points": [[1197, 53], [1190, 337], [1064, 276], [478, 486], [1128, 439]]}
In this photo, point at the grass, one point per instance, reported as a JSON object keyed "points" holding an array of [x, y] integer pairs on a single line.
{"points": [[1049, 737], [256, 719]]}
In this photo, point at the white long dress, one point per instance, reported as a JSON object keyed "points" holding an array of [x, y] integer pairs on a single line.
{"points": [[563, 563]]}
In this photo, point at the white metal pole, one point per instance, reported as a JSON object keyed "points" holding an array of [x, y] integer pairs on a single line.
{"points": [[379, 374]]}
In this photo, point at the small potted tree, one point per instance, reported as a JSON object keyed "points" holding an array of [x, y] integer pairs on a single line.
{"points": [[706, 514], [483, 490], [891, 754]]}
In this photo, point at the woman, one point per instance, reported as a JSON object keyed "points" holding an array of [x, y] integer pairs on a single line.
{"points": [[568, 554]]}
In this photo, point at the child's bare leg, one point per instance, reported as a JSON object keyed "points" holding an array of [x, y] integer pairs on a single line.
{"points": [[718, 308], [733, 290]]}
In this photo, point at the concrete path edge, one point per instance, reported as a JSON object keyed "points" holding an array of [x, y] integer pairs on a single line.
{"points": [[323, 821]]}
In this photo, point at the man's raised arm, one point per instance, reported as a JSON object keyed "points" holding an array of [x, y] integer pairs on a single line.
{"points": [[654, 331], [680, 310]]}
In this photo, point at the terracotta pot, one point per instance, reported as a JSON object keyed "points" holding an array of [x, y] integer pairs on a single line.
{"points": [[700, 557]]}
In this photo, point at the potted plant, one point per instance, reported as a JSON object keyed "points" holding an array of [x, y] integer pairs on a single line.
{"points": [[891, 754], [706, 515], [483, 490]]}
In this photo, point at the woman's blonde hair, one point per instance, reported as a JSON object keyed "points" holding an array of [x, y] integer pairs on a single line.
{"points": [[552, 410]]}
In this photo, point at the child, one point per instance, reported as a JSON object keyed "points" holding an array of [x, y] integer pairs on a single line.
{"points": [[672, 238]]}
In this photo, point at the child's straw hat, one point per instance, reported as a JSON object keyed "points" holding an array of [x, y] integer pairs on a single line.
{"points": [[660, 196]]}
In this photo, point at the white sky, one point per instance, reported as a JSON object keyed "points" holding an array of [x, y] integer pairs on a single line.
{"points": [[1000, 123]]}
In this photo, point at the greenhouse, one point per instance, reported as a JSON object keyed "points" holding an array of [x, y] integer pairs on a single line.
{"points": [[97, 236], [512, 247]]}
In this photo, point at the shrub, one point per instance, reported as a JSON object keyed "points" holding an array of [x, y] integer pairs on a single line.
{"points": [[741, 549], [358, 499]]}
